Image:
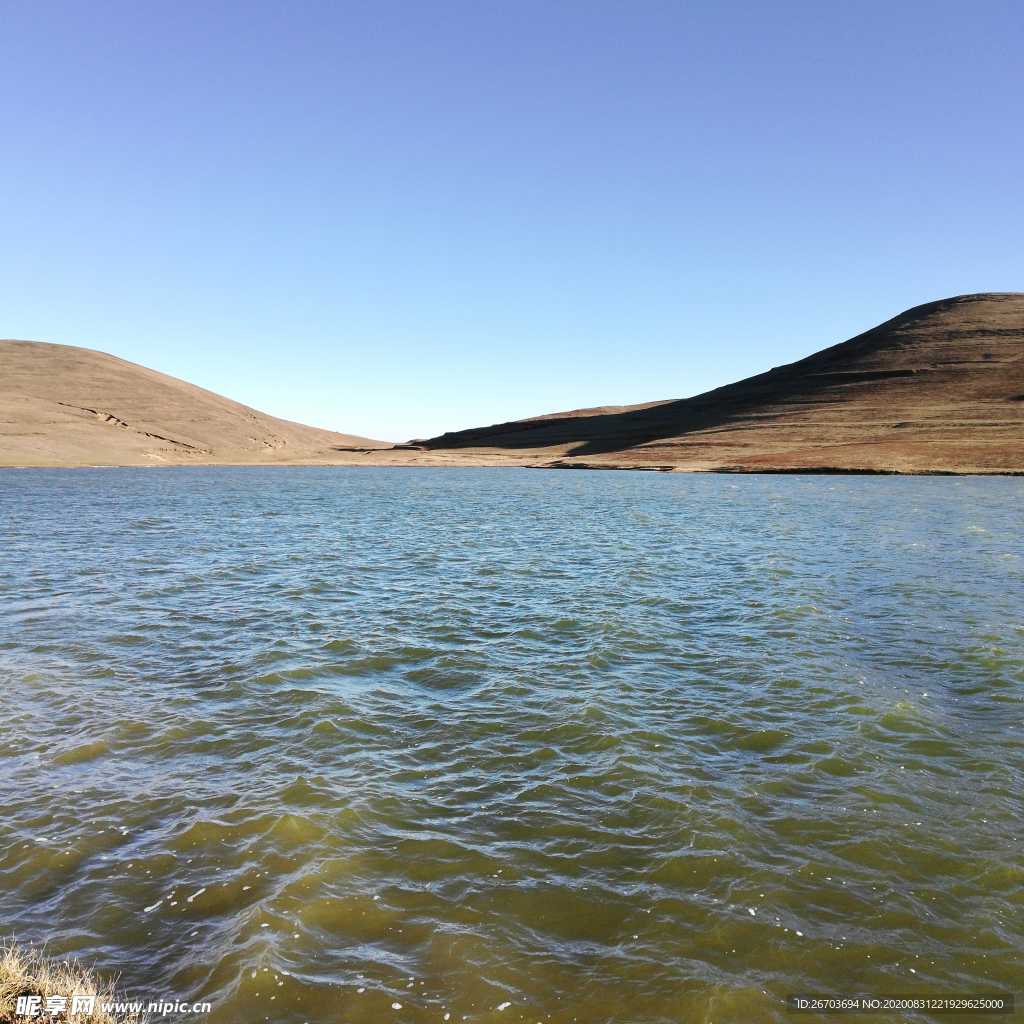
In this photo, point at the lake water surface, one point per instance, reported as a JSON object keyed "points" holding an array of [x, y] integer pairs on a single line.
{"points": [[328, 745]]}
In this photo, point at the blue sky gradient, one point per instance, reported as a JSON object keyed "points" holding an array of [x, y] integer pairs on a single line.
{"points": [[397, 218]]}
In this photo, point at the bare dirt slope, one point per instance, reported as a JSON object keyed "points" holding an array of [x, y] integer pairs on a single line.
{"points": [[939, 388], [65, 406]]}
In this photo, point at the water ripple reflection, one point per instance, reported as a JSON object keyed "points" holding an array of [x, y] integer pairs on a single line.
{"points": [[602, 747]]}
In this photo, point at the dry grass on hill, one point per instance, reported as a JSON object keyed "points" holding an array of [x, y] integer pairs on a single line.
{"points": [[937, 389], [27, 973], [66, 406]]}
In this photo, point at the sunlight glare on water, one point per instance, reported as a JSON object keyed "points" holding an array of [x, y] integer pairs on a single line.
{"points": [[512, 745]]}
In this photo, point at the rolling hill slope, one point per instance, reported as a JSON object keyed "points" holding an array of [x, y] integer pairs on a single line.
{"points": [[939, 388], [66, 406]]}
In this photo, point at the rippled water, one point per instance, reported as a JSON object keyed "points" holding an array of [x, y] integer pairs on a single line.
{"points": [[600, 746]]}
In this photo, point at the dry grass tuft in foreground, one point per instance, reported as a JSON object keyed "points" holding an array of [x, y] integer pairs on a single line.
{"points": [[55, 984]]}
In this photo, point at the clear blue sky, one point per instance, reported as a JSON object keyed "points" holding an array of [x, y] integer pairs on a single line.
{"points": [[396, 218]]}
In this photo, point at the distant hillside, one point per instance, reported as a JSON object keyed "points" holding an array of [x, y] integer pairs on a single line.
{"points": [[939, 388], [65, 406]]}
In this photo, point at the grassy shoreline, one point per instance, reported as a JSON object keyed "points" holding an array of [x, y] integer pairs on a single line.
{"points": [[26, 972]]}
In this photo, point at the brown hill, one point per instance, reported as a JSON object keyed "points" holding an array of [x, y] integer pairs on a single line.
{"points": [[939, 388], [65, 406]]}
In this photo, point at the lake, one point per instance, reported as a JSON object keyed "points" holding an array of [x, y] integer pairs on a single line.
{"points": [[327, 745]]}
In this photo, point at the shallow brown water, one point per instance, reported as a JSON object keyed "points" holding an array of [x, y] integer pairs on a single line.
{"points": [[601, 747]]}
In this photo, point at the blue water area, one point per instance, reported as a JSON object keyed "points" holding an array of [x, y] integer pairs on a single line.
{"points": [[336, 744]]}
